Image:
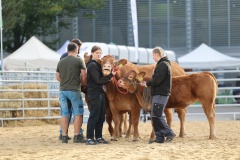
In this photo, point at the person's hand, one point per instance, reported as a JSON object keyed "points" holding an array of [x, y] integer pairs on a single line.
{"points": [[114, 72], [143, 83], [115, 69]]}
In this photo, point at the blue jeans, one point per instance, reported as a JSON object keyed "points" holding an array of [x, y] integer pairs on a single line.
{"points": [[67, 98], [69, 120], [76, 101]]}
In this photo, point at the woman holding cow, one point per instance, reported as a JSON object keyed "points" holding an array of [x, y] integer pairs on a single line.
{"points": [[96, 96], [160, 84]]}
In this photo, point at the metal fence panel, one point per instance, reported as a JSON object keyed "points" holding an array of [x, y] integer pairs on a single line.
{"points": [[8, 79]]}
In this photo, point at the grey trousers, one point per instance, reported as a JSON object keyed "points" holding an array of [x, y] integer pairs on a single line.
{"points": [[160, 125]]}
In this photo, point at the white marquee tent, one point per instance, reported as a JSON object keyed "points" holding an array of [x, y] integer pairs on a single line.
{"points": [[32, 55], [204, 57]]}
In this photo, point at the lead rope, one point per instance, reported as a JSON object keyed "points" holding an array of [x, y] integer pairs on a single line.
{"points": [[146, 100], [115, 81]]}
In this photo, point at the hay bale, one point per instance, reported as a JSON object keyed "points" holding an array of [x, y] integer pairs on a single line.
{"points": [[55, 113], [43, 103], [4, 88], [10, 114], [54, 103], [32, 86], [5, 114], [32, 103], [10, 104], [29, 86], [35, 103], [23, 123], [38, 113]]}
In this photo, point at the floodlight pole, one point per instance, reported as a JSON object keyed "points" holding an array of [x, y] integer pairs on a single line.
{"points": [[1, 26]]}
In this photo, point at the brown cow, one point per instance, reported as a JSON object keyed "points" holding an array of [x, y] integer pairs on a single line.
{"points": [[117, 98], [120, 103], [176, 71], [185, 91]]}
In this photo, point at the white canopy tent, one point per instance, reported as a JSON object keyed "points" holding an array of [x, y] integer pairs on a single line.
{"points": [[63, 49], [32, 55], [204, 57]]}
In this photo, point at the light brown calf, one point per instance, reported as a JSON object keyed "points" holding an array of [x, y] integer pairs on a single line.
{"points": [[185, 91], [148, 69], [120, 103]]}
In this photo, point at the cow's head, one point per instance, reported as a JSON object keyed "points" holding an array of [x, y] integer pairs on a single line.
{"points": [[130, 80], [108, 62]]}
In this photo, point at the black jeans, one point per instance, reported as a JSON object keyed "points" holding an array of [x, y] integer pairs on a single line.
{"points": [[97, 115], [160, 125]]}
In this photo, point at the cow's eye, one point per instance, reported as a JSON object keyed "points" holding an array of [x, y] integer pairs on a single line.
{"points": [[130, 77]]}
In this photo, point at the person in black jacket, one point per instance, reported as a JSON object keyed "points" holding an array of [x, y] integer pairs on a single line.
{"points": [[161, 84], [96, 96]]}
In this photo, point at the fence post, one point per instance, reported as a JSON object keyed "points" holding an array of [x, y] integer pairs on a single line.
{"points": [[23, 98], [48, 94]]}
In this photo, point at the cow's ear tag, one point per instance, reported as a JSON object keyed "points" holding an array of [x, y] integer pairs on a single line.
{"points": [[120, 65], [140, 79], [140, 76]]}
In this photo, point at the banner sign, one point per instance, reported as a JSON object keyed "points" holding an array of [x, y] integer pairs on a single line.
{"points": [[135, 26]]}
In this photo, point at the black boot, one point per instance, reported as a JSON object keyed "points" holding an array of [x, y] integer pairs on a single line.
{"points": [[65, 139]]}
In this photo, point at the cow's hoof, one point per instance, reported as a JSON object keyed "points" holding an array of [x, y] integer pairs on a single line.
{"points": [[113, 139], [135, 140], [127, 135], [182, 135], [212, 137]]}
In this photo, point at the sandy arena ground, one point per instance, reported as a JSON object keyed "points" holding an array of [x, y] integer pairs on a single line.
{"points": [[41, 142]]}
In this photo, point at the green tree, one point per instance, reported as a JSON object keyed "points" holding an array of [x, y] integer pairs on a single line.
{"points": [[24, 18]]}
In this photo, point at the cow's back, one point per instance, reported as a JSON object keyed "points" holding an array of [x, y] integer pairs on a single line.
{"points": [[177, 70], [191, 88]]}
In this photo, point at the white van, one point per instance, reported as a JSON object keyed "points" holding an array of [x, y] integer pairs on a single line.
{"points": [[125, 52]]}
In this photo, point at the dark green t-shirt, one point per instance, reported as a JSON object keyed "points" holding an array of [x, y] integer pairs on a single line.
{"points": [[70, 72]]}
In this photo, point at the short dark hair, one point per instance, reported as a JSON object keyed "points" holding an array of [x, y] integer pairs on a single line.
{"points": [[77, 41], [72, 47]]}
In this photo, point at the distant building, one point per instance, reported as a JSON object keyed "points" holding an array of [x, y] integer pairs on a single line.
{"points": [[178, 25]]}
